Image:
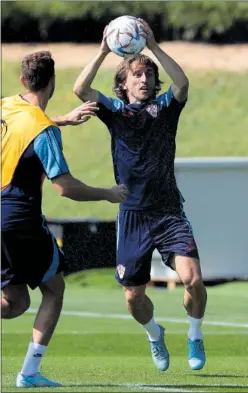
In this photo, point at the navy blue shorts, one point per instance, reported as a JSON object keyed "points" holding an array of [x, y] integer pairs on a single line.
{"points": [[29, 257], [140, 233]]}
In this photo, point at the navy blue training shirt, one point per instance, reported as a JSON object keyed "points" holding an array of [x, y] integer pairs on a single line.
{"points": [[143, 150], [21, 200]]}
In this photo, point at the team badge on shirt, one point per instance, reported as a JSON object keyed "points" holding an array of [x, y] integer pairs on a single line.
{"points": [[128, 113], [121, 270], [153, 110]]}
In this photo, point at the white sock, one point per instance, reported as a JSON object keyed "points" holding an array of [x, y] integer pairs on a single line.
{"points": [[33, 359], [152, 329], [195, 332]]}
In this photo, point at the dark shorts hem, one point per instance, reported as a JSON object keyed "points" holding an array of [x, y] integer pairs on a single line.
{"points": [[126, 283], [194, 254]]}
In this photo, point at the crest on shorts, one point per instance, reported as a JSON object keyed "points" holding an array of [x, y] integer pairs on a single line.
{"points": [[153, 110], [121, 270]]}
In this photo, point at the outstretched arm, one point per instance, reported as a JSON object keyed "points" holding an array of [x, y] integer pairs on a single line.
{"points": [[49, 149], [78, 115], [72, 188], [82, 87], [181, 83]]}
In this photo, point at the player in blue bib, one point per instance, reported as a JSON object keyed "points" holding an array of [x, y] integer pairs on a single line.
{"points": [[142, 123]]}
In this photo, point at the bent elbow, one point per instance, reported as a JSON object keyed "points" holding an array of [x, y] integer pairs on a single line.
{"points": [[80, 93], [184, 87], [186, 84], [76, 91], [64, 192]]}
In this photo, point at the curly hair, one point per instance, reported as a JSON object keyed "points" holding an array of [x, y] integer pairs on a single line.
{"points": [[37, 70], [125, 66]]}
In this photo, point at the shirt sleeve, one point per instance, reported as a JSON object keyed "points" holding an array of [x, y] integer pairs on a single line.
{"points": [[48, 147], [107, 107], [167, 100]]}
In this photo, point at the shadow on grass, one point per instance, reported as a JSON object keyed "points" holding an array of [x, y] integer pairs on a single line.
{"points": [[213, 375]]}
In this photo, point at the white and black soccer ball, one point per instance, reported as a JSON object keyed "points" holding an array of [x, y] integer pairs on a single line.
{"points": [[125, 36]]}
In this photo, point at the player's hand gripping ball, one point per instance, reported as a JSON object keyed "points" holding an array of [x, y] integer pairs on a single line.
{"points": [[125, 36]]}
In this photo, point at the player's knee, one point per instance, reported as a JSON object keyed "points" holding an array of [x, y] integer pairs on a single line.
{"points": [[60, 291], [25, 304], [54, 292], [134, 298], [192, 281], [19, 307], [56, 295]]}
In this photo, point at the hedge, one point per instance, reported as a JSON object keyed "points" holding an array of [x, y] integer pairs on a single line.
{"points": [[84, 20]]}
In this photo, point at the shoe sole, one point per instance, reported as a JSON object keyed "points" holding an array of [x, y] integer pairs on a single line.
{"points": [[197, 368]]}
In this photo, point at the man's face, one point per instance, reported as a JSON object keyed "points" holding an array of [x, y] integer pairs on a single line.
{"points": [[140, 83]]}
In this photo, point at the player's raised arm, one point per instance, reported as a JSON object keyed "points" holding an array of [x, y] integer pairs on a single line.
{"points": [[82, 87], [181, 83]]}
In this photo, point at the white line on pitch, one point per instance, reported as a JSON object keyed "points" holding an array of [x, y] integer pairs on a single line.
{"points": [[126, 316], [160, 388], [164, 388]]}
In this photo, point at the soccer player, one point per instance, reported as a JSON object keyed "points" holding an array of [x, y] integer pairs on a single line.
{"points": [[143, 127], [31, 151]]}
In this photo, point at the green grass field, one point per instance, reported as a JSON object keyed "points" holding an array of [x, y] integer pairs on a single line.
{"points": [[214, 123], [98, 348]]}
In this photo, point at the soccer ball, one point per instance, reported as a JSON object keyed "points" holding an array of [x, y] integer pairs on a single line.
{"points": [[125, 36]]}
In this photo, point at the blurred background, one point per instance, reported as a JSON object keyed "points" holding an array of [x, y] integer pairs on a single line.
{"points": [[209, 39], [216, 22]]}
